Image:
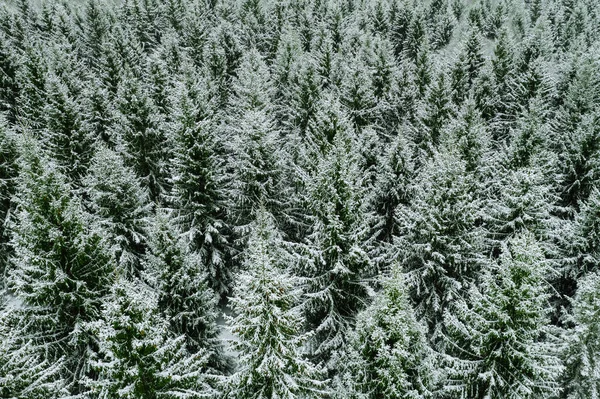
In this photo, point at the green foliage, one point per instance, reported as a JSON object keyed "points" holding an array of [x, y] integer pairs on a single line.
{"points": [[137, 357], [582, 352], [61, 264], [268, 324], [388, 355], [502, 343]]}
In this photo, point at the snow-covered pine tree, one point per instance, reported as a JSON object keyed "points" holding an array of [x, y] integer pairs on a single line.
{"points": [[137, 357], [579, 161], [9, 82], [521, 197], [582, 351], [437, 111], [8, 174], [501, 343], [199, 184], [32, 74], [98, 114], [269, 323], [24, 373], [583, 248], [388, 355], [70, 146], [468, 136], [336, 263], [254, 143], [468, 66], [392, 186], [505, 103], [142, 136], [121, 206], [357, 95], [184, 298], [61, 265], [440, 239]]}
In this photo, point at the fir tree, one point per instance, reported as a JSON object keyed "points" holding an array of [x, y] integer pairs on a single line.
{"points": [[184, 298], [65, 140], [440, 238], [24, 373], [502, 341], [582, 352], [388, 355], [9, 81], [336, 263], [121, 205], [8, 174], [269, 324], [143, 142], [137, 357], [199, 187], [60, 267], [256, 167]]}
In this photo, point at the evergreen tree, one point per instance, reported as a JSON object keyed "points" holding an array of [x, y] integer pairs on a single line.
{"points": [[9, 81], [437, 111], [137, 356], [8, 174], [336, 263], [392, 187], [268, 323], [388, 355], [579, 161], [65, 140], [502, 341], [440, 239], [256, 167], [121, 205], [199, 186], [33, 75], [24, 373], [142, 137], [467, 67], [61, 264], [184, 298], [582, 352]]}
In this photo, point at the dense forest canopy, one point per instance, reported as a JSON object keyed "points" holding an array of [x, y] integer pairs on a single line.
{"points": [[388, 198]]}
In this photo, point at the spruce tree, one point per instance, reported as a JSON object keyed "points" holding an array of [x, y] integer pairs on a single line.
{"points": [[440, 237], [61, 264], [582, 351], [254, 142], [121, 205], [24, 373], [184, 298], [199, 185], [388, 355], [137, 357], [502, 343], [268, 323], [64, 139], [8, 174], [9, 81], [336, 263], [142, 139]]}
